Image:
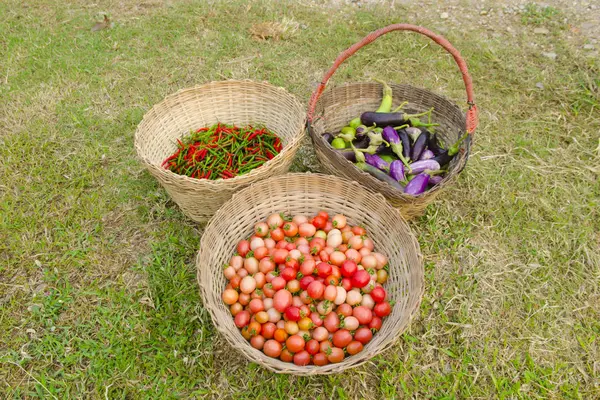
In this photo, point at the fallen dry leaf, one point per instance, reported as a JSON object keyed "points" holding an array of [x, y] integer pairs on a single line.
{"points": [[102, 25], [274, 30]]}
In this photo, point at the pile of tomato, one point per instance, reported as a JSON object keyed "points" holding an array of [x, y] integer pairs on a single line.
{"points": [[307, 291]]}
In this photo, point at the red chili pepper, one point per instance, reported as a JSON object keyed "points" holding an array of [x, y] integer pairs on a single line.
{"points": [[269, 154]]}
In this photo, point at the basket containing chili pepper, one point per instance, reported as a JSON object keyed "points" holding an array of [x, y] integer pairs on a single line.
{"points": [[223, 151], [405, 142], [249, 131]]}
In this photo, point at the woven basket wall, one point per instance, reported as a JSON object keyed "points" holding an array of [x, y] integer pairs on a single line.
{"points": [[306, 194], [231, 102], [339, 105]]}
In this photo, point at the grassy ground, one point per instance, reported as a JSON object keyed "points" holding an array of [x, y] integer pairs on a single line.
{"points": [[97, 284]]}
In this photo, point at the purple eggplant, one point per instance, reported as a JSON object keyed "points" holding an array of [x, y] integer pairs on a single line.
{"points": [[377, 162], [413, 133], [404, 138], [419, 166], [418, 185], [394, 119], [419, 145], [348, 155], [328, 137], [426, 155], [361, 131], [434, 144], [379, 174], [435, 179], [391, 136], [397, 170], [446, 156]]}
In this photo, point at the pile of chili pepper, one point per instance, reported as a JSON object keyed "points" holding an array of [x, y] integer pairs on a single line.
{"points": [[223, 151]]}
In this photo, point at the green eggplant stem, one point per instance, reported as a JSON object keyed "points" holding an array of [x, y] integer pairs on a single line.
{"points": [[456, 146], [386, 101], [400, 106]]}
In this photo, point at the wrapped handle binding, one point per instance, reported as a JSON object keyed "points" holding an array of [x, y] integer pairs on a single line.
{"points": [[472, 119]]}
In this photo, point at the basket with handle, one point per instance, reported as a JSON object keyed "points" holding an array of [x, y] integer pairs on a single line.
{"points": [[330, 111], [231, 102], [306, 194]]}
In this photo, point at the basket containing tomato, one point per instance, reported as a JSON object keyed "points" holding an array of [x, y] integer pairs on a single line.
{"points": [[309, 274], [404, 142]]}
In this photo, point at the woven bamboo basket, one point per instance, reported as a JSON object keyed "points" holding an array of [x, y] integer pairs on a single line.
{"points": [[231, 102], [306, 194], [331, 111]]}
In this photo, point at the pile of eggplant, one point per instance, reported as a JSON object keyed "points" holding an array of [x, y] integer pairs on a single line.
{"points": [[396, 147]]}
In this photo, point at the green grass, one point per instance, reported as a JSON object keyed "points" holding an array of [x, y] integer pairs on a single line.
{"points": [[98, 297]]}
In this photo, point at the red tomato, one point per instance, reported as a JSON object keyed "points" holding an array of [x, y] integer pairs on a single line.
{"points": [[331, 322], [312, 346], [315, 317], [354, 347], [254, 328], [341, 338], [286, 356], [362, 314], [337, 258], [261, 253], [257, 342], [242, 319], [268, 290], [353, 255], [323, 214], [316, 244], [294, 286], [324, 256], [319, 222], [375, 323], [282, 300], [290, 246], [304, 312], [344, 309], [266, 265], [295, 343], [282, 244], [361, 278], [347, 284], [272, 348], [278, 283], [343, 248], [325, 346], [302, 358], [315, 290], [307, 230], [305, 281], [261, 229], [382, 309], [305, 297], [236, 308], [359, 230], [320, 359], [280, 335], [307, 267], [348, 268], [243, 248], [378, 294], [336, 355], [288, 274], [328, 227], [292, 314], [323, 269], [256, 305], [335, 271], [292, 263], [290, 229], [280, 255], [363, 335], [268, 330], [277, 234]]}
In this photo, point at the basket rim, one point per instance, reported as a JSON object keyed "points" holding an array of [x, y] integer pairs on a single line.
{"points": [[292, 145], [349, 362], [324, 147]]}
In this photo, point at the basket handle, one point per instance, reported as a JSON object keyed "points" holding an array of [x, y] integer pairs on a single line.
{"points": [[472, 119]]}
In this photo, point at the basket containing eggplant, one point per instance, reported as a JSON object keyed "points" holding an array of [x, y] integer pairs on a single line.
{"points": [[405, 142]]}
